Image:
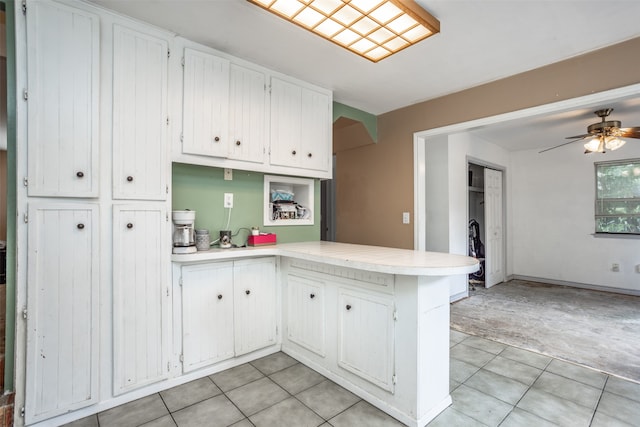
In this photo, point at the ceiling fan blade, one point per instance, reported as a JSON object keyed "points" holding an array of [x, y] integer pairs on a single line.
{"points": [[576, 137], [630, 132], [560, 145]]}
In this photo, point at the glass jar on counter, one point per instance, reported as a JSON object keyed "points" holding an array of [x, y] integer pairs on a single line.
{"points": [[203, 240]]}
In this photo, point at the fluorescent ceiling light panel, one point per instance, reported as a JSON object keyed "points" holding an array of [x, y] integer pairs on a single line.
{"points": [[373, 29]]}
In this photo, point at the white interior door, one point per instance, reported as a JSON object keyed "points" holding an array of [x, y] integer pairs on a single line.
{"points": [[494, 245]]}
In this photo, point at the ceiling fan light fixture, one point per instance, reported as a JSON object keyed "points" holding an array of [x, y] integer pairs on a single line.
{"points": [[595, 145], [383, 27], [613, 143]]}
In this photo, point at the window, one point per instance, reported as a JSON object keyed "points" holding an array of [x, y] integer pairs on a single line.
{"points": [[618, 197]]}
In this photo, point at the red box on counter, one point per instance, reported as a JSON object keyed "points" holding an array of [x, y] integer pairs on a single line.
{"points": [[262, 239]]}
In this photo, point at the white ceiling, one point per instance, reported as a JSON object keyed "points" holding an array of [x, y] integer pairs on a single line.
{"points": [[480, 41]]}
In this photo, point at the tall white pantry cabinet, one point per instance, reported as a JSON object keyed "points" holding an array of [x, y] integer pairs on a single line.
{"points": [[94, 207]]}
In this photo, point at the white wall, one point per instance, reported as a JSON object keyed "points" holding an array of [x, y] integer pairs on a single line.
{"points": [[446, 195], [552, 222]]}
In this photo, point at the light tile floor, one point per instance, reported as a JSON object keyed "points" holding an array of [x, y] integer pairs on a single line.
{"points": [[491, 385]]}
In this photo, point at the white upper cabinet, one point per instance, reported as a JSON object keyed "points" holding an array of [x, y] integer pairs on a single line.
{"points": [[247, 114], [140, 295], [140, 64], [300, 126], [205, 104], [240, 115], [62, 100], [62, 321]]}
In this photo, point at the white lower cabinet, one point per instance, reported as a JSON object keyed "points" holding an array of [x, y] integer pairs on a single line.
{"points": [[140, 296], [366, 336], [306, 313], [62, 310], [254, 315], [346, 316], [228, 309], [207, 314]]}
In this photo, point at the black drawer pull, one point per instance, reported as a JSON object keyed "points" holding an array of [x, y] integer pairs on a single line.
{"points": [[238, 143], [129, 178], [129, 226], [220, 296], [216, 139], [309, 155], [80, 226], [293, 152], [80, 174], [247, 292], [348, 307], [312, 296]]}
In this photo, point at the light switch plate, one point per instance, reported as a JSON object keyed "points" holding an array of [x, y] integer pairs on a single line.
{"points": [[406, 219]]}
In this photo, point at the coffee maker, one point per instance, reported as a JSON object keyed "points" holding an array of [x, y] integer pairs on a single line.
{"points": [[184, 241]]}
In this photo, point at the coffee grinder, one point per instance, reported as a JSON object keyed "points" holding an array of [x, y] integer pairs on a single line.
{"points": [[184, 241]]}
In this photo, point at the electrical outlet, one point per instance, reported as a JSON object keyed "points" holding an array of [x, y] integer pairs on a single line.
{"points": [[228, 200], [228, 174], [406, 219], [615, 267]]}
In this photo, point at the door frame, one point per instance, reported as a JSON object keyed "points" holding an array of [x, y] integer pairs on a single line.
{"points": [[420, 139]]}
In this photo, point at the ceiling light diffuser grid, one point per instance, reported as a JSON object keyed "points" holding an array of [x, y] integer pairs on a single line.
{"points": [[373, 29]]}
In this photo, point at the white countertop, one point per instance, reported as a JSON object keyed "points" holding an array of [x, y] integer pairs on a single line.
{"points": [[370, 258]]}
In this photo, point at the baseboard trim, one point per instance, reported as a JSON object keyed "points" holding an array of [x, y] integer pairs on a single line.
{"points": [[458, 297], [633, 292]]}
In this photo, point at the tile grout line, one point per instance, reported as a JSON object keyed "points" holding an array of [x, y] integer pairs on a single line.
{"points": [[595, 410]]}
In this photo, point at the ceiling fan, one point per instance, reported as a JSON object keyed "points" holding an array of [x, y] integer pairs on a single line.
{"points": [[604, 135]]}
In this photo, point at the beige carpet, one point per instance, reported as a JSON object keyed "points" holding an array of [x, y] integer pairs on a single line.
{"points": [[600, 330]]}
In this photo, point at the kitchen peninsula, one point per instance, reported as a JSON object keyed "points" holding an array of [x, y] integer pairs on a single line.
{"points": [[374, 320]]}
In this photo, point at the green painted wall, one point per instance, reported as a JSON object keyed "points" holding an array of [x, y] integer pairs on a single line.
{"points": [[369, 121], [202, 189], [11, 197]]}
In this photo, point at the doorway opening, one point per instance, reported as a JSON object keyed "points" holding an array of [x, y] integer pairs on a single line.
{"points": [[486, 224]]}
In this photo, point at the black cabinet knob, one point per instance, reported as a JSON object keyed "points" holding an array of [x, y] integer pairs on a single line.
{"points": [[310, 155], [293, 152], [247, 292], [129, 225], [216, 139], [129, 178], [312, 296], [80, 174], [219, 296], [238, 143], [348, 307], [80, 226]]}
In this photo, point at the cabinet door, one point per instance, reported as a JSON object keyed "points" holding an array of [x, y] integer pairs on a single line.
{"points": [[366, 336], [62, 76], [62, 308], [316, 139], [300, 126], [140, 296], [206, 103], [247, 113], [286, 123], [139, 115], [305, 313], [207, 314], [255, 308]]}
